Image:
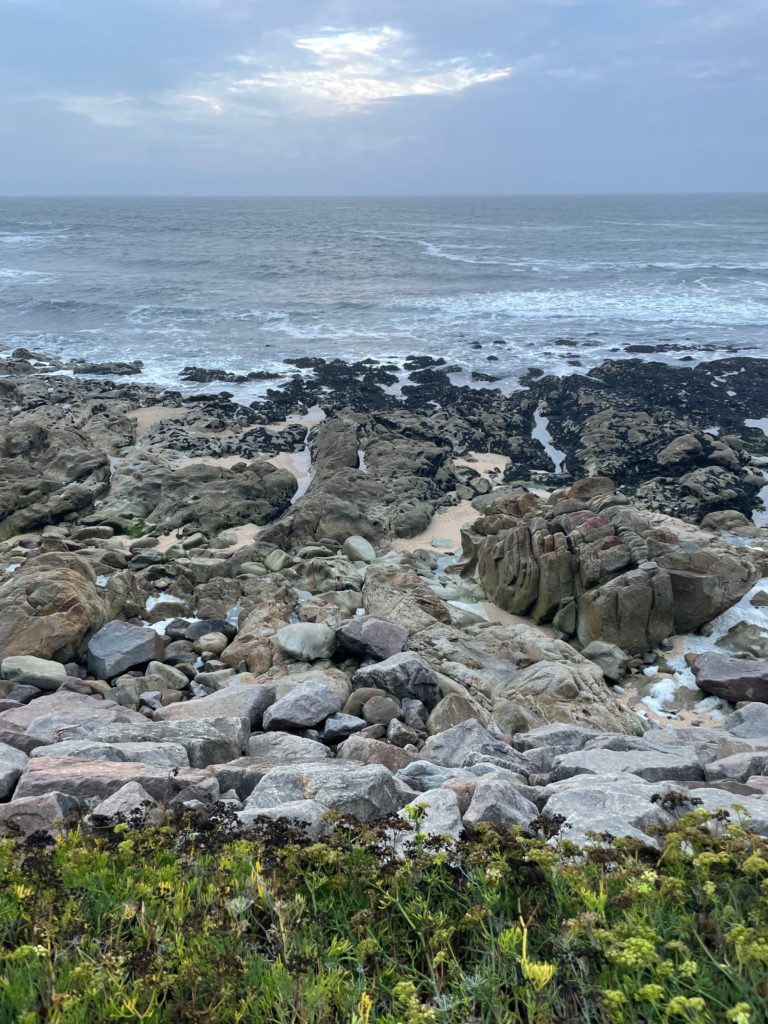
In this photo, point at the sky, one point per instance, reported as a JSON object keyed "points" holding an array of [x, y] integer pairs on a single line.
{"points": [[382, 97]]}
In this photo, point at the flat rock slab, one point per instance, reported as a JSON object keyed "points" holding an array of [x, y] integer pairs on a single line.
{"points": [[650, 765], [606, 807], [119, 646], [361, 791], [733, 679], [163, 755], [29, 671], [206, 740], [96, 780], [64, 704], [242, 700]]}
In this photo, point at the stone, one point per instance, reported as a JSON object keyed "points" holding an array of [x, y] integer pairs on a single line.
{"points": [[132, 804], [563, 737], [307, 641], [305, 816], [453, 710], [212, 643], [452, 747], [119, 646], [749, 722], [400, 734], [435, 813], [501, 803], [358, 549], [306, 705], [277, 560], [368, 636], [737, 767], [404, 676], [46, 715], [26, 670], [734, 679], [96, 780], [285, 748], [38, 814], [367, 750], [361, 791], [171, 678], [653, 766], [423, 775], [14, 736], [606, 807], [206, 740], [380, 710], [241, 700], [339, 726], [165, 755], [12, 763], [608, 657]]}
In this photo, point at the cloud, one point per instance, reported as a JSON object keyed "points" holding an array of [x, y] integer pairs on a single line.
{"points": [[329, 73]]}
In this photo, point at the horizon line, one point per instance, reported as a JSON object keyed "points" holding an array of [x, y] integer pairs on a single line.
{"points": [[373, 195]]}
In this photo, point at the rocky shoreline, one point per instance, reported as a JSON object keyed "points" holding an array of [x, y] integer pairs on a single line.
{"points": [[203, 601]]}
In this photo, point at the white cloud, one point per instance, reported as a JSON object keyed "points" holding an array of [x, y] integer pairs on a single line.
{"points": [[330, 73]]}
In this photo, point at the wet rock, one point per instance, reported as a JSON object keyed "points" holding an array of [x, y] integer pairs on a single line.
{"points": [[734, 679]]}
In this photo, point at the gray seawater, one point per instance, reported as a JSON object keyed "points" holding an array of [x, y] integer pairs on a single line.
{"points": [[244, 283]]}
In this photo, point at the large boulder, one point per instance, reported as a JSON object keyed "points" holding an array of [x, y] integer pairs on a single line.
{"points": [[306, 705], [30, 671], [498, 801], [404, 676], [119, 646], [604, 805], [368, 636], [749, 722], [307, 641], [285, 748], [361, 791], [45, 814], [162, 755], [457, 747], [682, 764], [88, 780], [12, 764], [206, 740], [240, 700], [733, 679]]}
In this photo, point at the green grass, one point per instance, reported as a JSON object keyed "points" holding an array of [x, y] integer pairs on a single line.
{"points": [[191, 923]]}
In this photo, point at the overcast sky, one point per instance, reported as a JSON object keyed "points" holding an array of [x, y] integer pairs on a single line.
{"points": [[382, 96]]}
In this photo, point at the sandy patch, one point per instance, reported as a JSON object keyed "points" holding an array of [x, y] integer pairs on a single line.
{"points": [[298, 463], [446, 525], [501, 618], [149, 417], [484, 463], [246, 535]]}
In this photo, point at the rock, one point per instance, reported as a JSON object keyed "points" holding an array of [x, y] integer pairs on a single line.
{"points": [[592, 804], [734, 679], [452, 747], [608, 657], [307, 641], [307, 816], [12, 763], [30, 671], [745, 638], [339, 726], [380, 710], [132, 804], [750, 812], [500, 802], [564, 738], [164, 755], [434, 813], [211, 643], [404, 676], [652, 766], [453, 710], [38, 814], [118, 646], [52, 712], [737, 767], [361, 791], [284, 748], [96, 780], [372, 751], [241, 700], [50, 605], [401, 597], [277, 560], [424, 775], [358, 549], [207, 740], [306, 705], [368, 636], [749, 722]]}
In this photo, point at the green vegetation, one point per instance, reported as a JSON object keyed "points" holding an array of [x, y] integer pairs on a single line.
{"points": [[195, 923]]}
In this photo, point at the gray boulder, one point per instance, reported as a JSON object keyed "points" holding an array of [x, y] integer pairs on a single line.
{"points": [[307, 641], [749, 722], [405, 676], [29, 671], [132, 804], [358, 549], [119, 646], [361, 791], [500, 802], [206, 740], [96, 780], [605, 806], [12, 764], [651, 765], [338, 727], [368, 636], [166, 755], [306, 705], [434, 813], [241, 700], [738, 767], [46, 814], [423, 775], [285, 748], [453, 747], [307, 816]]}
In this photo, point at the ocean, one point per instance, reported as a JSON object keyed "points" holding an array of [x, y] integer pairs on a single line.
{"points": [[495, 285]]}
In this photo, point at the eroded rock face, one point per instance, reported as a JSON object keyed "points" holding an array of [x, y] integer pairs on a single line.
{"points": [[602, 570]]}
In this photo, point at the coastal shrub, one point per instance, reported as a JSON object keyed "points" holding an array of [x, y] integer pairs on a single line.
{"points": [[200, 922]]}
